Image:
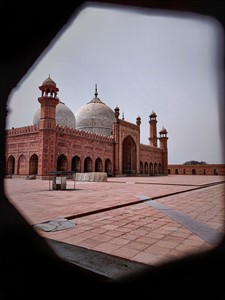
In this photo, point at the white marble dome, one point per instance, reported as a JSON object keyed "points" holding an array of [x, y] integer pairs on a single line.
{"points": [[95, 116], [64, 116]]}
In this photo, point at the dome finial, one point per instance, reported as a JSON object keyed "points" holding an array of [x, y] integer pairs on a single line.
{"points": [[96, 92]]}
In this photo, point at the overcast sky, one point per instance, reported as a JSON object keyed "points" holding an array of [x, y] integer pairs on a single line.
{"points": [[141, 61]]}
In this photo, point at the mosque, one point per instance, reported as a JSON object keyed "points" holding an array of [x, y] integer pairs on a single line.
{"points": [[95, 139]]}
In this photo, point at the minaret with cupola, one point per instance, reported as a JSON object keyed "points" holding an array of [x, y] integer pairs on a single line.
{"points": [[48, 101], [47, 127], [163, 145], [116, 140], [153, 129]]}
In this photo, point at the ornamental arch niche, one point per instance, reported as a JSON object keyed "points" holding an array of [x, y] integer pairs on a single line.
{"points": [[160, 168], [87, 165], [146, 168], [155, 168], [151, 169], [76, 165], [98, 165], [22, 163], [215, 172], [129, 156], [11, 165], [33, 165], [62, 163], [108, 167]]}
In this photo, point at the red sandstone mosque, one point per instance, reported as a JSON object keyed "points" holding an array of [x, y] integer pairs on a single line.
{"points": [[95, 139]]}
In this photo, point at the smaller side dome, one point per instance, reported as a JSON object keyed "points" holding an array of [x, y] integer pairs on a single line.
{"points": [[64, 116]]}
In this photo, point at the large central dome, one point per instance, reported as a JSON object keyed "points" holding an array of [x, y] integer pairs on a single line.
{"points": [[95, 116]]}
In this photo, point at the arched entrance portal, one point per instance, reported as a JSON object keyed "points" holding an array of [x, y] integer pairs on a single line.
{"points": [[129, 156]]}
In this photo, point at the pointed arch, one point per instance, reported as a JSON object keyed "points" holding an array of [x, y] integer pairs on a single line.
{"points": [[10, 166], [22, 165], [88, 164], [129, 156], [146, 168], [76, 164], [108, 167], [159, 168], [98, 165], [62, 163], [155, 168], [33, 165], [151, 169]]}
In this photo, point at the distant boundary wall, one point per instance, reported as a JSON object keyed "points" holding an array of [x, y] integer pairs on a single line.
{"points": [[205, 169]]}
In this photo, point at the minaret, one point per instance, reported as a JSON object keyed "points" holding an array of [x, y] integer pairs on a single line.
{"points": [[47, 128], [48, 101], [163, 145], [153, 129], [116, 140]]}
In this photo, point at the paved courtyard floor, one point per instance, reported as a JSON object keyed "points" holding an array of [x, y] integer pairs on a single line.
{"points": [[147, 220]]}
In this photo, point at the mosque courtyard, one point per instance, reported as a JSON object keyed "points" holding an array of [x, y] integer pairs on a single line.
{"points": [[145, 220]]}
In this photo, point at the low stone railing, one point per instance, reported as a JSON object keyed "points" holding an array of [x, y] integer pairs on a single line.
{"points": [[90, 176]]}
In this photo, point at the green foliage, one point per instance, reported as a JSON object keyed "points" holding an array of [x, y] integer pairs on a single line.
{"points": [[195, 162]]}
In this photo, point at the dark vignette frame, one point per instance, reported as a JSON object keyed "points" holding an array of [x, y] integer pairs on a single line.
{"points": [[28, 267]]}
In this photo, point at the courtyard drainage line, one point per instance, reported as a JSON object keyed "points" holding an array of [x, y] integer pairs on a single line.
{"points": [[141, 200], [181, 184]]}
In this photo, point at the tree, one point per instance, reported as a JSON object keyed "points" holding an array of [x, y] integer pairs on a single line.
{"points": [[195, 162]]}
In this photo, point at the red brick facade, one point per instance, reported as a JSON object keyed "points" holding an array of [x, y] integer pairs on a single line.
{"points": [[39, 149]]}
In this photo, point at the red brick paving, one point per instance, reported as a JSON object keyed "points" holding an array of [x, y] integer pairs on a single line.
{"points": [[137, 232]]}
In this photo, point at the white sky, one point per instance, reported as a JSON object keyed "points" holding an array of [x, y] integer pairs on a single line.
{"points": [[141, 61]]}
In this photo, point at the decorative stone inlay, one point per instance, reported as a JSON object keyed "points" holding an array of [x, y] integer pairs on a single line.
{"points": [[55, 225]]}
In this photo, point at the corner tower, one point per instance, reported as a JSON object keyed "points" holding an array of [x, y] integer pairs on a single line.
{"points": [[48, 101], [163, 145], [47, 127]]}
